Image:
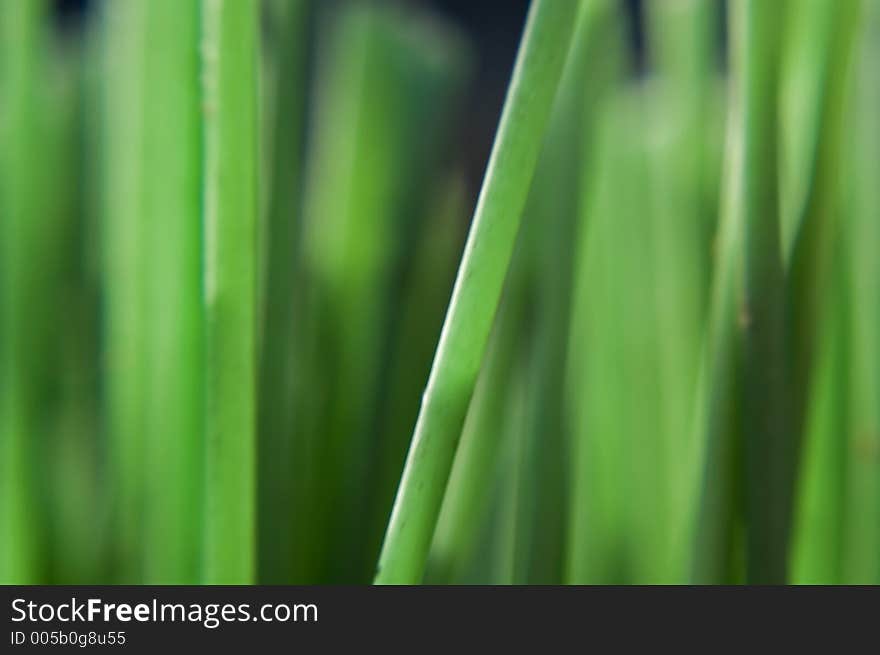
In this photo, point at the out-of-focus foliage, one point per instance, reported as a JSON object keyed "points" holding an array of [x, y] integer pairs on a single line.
{"points": [[227, 248]]}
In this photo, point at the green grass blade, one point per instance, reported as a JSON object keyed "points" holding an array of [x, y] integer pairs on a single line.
{"points": [[124, 274], [683, 35], [757, 49], [467, 504], [381, 113], [516, 504], [862, 234], [477, 290], [819, 528], [811, 273], [683, 174], [533, 317], [229, 59], [837, 538], [717, 509], [175, 317], [77, 508], [752, 317], [810, 261], [22, 42], [616, 505], [430, 281], [550, 229], [327, 213]]}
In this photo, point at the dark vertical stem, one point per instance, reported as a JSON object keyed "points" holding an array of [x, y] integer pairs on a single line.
{"points": [[756, 28], [280, 492]]}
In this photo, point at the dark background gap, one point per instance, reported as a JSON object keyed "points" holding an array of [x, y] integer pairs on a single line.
{"points": [[493, 28], [493, 24]]}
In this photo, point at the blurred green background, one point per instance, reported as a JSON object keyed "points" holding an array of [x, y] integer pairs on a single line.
{"points": [[698, 255]]}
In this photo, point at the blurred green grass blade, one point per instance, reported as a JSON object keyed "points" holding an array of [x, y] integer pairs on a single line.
{"points": [[838, 533], [768, 457], [808, 40], [862, 234], [752, 315], [819, 528], [551, 225], [522, 487], [22, 49], [331, 159], [616, 507], [477, 290], [230, 31], [592, 512], [592, 508], [467, 504], [810, 260], [174, 316], [436, 255], [811, 268], [60, 283], [684, 37], [516, 502], [717, 508], [429, 63], [382, 112], [533, 294], [684, 204], [124, 231], [487, 436], [77, 510], [278, 484]]}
